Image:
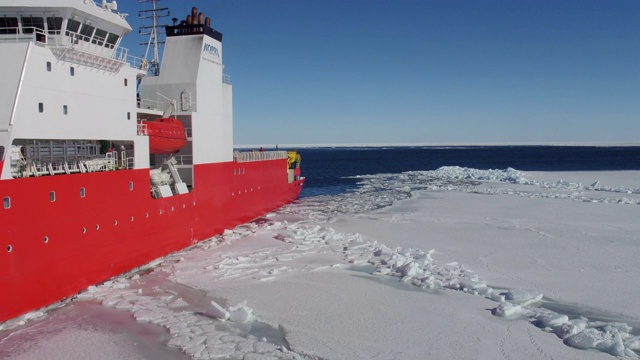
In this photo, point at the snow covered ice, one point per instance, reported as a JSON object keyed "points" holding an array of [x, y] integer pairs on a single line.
{"points": [[450, 263]]}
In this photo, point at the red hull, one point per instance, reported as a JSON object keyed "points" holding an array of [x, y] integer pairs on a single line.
{"points": [[54, 249]]}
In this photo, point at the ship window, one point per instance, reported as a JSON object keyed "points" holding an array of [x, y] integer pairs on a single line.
{"points": [[40, 107], [99, 37], [64, 109], [54, 25], [52, 196], [128, 115], [86, 31], [130, 185], [46, 239], [8, 25], [9, 248], [72, 27], [29, 23], [72, 71], [7, 202], [49, 66], [82, 192], [112, 39], [126, 82]]}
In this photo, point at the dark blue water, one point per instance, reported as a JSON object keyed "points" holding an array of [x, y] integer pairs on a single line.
{"points": [[327, 169]]}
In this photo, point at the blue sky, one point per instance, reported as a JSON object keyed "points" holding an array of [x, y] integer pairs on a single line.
{"points": [[409, 71]]}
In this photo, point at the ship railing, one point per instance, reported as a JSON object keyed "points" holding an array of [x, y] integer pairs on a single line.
{"points": [[150, 104], [183, 159], [95, 45], [128, 163], [13, 34], [143, 130], [246, 156]]}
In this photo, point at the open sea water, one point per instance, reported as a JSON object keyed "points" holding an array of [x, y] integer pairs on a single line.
{"points": [[329, 171]]}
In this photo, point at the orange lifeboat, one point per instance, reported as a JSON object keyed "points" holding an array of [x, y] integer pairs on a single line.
{"points": [[166, 135]]}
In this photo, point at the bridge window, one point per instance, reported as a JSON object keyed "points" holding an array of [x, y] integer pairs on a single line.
{"points": [[99, 37], [29, 23], [72, 26], [112, 39], [8, 25], [54, 25], [86, 31], [40, 107]]}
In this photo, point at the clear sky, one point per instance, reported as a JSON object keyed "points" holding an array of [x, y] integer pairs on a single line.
{"points": [[410, 71]]}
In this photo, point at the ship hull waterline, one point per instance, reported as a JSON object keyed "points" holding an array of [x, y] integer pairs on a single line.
{"points": [[56, 242]]}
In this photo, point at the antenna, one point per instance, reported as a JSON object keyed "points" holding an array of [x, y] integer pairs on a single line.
{"points": [[151, 33]]}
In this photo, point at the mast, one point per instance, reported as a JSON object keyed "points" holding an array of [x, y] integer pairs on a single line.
{"points": [[152, 32]]}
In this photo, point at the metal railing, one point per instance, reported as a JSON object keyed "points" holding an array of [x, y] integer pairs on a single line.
{"points": [[183, 159], [72, 40], [255, 155]]}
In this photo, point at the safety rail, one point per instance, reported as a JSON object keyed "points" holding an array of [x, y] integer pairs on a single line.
{"points": [[149, 104], [143, 130], [255, 155], [69, 40], [183, 159]]}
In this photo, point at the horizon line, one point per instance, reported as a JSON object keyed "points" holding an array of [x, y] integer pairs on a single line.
{"points": [[444, 144]]}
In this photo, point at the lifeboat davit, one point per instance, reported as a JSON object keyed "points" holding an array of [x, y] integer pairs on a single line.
{"points": [[166, 135]]}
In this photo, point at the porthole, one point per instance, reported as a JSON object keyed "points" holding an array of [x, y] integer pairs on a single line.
{"points": [[146, 215], [52, 196], [160, 211], [46, 239], [7, 202], [194, 203], [97, 226], [82, 192], [130, 185], [132, 218], [84, 230], [115, 222], [9, 248], [172, 208], [184, 206]]}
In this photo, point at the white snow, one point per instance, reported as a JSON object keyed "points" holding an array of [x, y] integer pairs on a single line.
{"points": [[451, 263]]}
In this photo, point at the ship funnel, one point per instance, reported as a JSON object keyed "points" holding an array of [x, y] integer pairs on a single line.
{"points": [[189, 20], [200, 19], [207, 21]]}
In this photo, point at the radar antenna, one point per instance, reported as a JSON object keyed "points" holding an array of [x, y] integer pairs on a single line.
{"points": [[152, 32]]}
